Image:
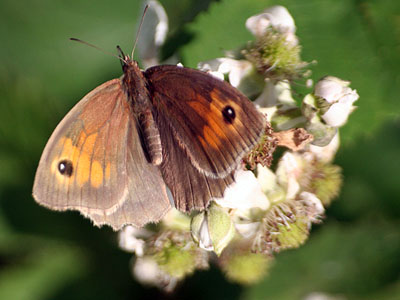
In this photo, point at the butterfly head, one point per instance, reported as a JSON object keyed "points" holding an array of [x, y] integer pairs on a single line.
{"points": [[126, 61]]}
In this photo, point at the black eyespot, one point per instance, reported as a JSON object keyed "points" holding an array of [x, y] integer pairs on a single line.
{"points": [[229, 114], [65, 167]]}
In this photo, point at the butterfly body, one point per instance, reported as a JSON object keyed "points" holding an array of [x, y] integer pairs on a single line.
{"points": [[116, 151], [136, 89]]}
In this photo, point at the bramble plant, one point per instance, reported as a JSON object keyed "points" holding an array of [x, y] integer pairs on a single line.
{"points": [[266, 210]]}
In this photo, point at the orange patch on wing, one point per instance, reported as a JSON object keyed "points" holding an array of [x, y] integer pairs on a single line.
{"points": [[216, 124], [211, 138], [212, 134], [96, 174], [89, 144], [83, 163], [85, 158]]}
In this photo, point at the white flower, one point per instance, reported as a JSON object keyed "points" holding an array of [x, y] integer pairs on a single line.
{"points": [[290, 168], [244, 193], [331, 88], [237, 69], [277, 17], [340, 97], [338, 113], [245, 196], [131, 239], [153, 33], [146, 270]]}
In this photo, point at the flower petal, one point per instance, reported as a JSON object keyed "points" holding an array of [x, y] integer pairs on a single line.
{"points": [[129, 239], [275, 16], [244, 193], [337, 114]]}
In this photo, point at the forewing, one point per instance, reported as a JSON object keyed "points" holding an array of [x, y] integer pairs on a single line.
{"points": [[213, 122], [107, 177]]}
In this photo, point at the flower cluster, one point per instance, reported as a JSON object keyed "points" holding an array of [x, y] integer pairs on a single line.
{"points": [[266, 210]]}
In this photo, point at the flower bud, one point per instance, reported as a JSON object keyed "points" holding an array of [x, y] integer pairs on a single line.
{"points": [[339, 99], [277, 17], [293, 235], [327, 181], [244, 267], [213, 229]]}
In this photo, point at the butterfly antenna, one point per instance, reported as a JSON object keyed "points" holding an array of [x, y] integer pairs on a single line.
{"points": [[95, 47], [122, 56], [138, 32]]}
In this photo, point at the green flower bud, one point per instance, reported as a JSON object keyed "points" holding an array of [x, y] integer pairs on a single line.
{"points": [[287, 224], [213, 229], [326, 183], [293, 235], [246, 267]]}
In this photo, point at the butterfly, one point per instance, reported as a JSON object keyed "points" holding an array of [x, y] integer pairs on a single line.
{"points": [[114, 154]]}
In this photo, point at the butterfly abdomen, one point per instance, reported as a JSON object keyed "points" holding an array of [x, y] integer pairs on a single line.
{"points": [[151, 137]]}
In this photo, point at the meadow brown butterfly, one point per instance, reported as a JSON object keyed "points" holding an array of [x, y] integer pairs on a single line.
{"points": [[114, 153]]}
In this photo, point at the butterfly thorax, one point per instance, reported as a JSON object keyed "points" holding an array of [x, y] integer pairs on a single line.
{"points": [[138, 96], [134, 84]]}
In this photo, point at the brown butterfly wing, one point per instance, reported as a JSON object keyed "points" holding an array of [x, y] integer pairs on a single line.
{"points": [[214, 123], [207, 127], [105, 172]]}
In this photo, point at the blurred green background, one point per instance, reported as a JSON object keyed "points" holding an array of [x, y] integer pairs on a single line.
{"points": [[354, 254]]}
